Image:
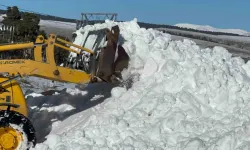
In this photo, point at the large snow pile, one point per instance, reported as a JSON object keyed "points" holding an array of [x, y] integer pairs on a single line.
{"points": [[212, 29], [184, 98]]}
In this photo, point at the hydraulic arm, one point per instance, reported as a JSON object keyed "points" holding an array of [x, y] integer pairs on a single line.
{"points": [[46, 69]]}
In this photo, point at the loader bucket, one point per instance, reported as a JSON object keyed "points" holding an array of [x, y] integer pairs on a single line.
{"points": [[104, 42], [106, 65], [121, 61]]}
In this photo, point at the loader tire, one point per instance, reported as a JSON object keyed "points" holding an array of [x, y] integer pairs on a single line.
{"points": [[16, 131]]}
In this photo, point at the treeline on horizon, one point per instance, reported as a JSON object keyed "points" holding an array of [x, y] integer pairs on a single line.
{"points": [[22, 28], [141, 24]]}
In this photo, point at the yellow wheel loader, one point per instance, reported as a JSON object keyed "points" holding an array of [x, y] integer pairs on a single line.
{"points": [[16, 130]]}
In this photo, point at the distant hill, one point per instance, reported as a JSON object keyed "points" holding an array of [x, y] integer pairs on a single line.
{"points": [[212, 29], [142, 24]]}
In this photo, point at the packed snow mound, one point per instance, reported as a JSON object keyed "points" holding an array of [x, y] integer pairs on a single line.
{"points": [[183, 97], [212, 29]]}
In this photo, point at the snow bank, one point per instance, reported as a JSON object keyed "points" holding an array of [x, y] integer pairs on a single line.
{"points": [[183, 97], [212, 29]]}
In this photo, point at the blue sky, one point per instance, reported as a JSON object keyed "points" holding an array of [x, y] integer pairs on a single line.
{"points": [[217, 13]]}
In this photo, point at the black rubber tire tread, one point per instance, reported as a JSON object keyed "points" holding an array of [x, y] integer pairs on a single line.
{"points": [[13, 117]]}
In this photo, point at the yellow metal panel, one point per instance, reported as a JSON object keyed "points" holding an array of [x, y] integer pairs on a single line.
{"points": [[14, 95], [18, 98], [50, 51], [38, 49], [44, 70]]}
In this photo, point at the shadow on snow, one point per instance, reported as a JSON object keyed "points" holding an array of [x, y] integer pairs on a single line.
{"points": [[43, 119]]}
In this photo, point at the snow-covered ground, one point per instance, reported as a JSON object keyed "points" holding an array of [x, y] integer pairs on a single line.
{"points": [[50, 103], [212, 29], [236, 38], [59, 24], [183, 97]]}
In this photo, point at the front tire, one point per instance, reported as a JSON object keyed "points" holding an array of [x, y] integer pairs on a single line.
{"points": [[16, 131]]}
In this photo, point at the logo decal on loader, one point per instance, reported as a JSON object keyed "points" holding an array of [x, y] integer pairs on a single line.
{"points": [[12, 62]]}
